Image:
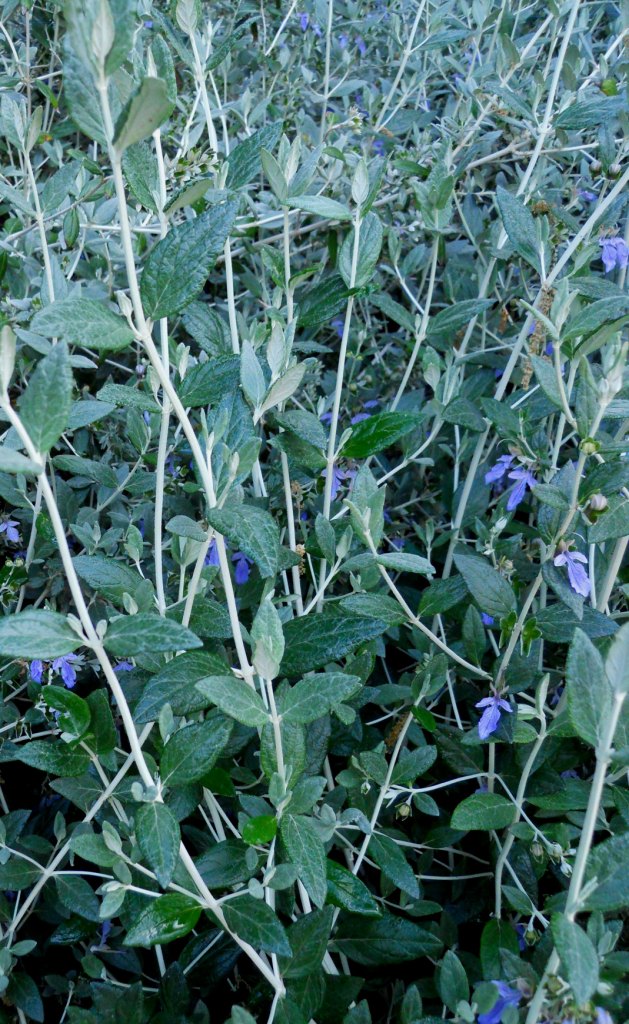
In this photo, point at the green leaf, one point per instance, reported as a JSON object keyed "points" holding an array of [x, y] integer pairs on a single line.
{"points": [[579, 959], [174, 685], [608, 864], [254, 922], [37, 634], [251, 375], [451, 319], [14, 462], [148, 108], [122, 395], [183, 526], [452, 982], [323, 301], [488, 588], [143, 634], [388, 855], [369, 246], [385, 940], [235, 698], [226, 864], [178, 266], [45, 405], [547, 379], [308, 937], [305, 850], [106, 577], [321, 206], [244, 163], [316, 640], [261, 829], [617, 661], [377, 433], [193, 750], [483, 812], [23, 992], [316, 695], [595, 315], [157, 832], [519, 225], [140, 169], [76, 894], [85, 322], [207, 383], [349, 893], [613, 523], [402, 562], [588, 690], [75, 716], [100, 472], [253, 531], [54, 758], [168, 917]]}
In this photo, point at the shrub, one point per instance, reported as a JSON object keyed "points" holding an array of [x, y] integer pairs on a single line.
{"points": [[314, 512]]}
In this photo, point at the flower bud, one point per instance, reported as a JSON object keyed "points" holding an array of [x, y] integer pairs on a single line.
{"points": [[614, 170], [596, 167], [7, 357], [598, 502]]}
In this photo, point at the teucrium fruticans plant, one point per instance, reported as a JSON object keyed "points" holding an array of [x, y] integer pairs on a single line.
{"points": [[315, 512]]}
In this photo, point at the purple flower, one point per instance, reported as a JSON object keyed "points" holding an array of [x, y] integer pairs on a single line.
{"points": [[378, 147], [326, 418], [338, 324], [148, 24], [494, 706], [9, 527], [525, 479], [212, 554], [170, 466], [521, 932], [359, 417], [123, 666], [36, 670], [499, 469], [577, 575], [343, 40], [602, 1016], [397, 543], [586, 195], [64, 666], [338, 476], [242, 571], [317, 29], [507, 997], [304, 20], [569, 773], [361, 46], [614, 253], [487, 620], [146, 416]]}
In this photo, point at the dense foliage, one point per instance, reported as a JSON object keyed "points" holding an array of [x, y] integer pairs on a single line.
{"points": [[314, 506]]}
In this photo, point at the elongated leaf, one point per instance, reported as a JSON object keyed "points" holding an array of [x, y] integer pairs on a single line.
{"points": [[321, 206], [14, 462], [255, 922], [37, 634], [369, 246], [319, 639], [315, 695], [388, 855], [519, 225], [384, 940], [617, 661], [348, 892], [148, 634], [158, 836], [207, 383], [579, 959], [179, 265], [588, 689], [305, 850], [193, 750], [83, 322], [45, 405], [377, 433], [174, 685], [491, 591], [253, 531], [235, 698], [167, 918], [146, 110], [483, 812], [244, 162]]}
